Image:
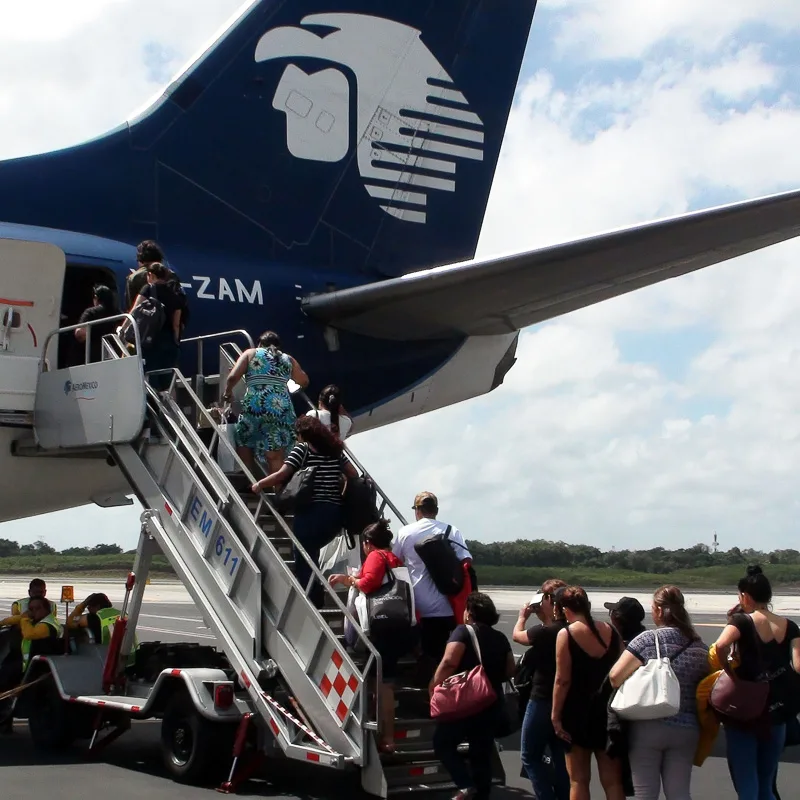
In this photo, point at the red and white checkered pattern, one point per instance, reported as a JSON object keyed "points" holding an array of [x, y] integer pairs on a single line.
{"points": [[339, 686]]}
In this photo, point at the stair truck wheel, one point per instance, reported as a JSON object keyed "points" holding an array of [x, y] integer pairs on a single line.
{"points": [[193, 749], [50, 719]]}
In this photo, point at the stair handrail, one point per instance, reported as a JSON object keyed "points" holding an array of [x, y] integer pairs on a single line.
{"points": [[43, 363], [198, 447], [207, 337]]}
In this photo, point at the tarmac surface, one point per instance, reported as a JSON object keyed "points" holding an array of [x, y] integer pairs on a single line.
{"points": [[130, 769]]}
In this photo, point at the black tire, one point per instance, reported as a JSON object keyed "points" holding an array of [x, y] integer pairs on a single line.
{"points": [[193, 749], [50, 719]]}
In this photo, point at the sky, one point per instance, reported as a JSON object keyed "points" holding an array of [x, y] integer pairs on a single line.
{"points": [[657, 418]]}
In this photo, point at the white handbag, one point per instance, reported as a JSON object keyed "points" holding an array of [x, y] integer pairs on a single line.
{"points": [[652, 692]]}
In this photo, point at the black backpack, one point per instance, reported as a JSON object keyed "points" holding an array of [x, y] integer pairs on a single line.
{"points": [[443, 565], [359, 507], [523, 681], [150, 317]]}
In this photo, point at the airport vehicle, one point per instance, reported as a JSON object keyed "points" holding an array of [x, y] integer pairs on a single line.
{"points": [[322, 169], [284, 683]]}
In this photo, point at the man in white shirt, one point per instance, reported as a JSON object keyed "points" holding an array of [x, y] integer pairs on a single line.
{"points": [[436, 614]]}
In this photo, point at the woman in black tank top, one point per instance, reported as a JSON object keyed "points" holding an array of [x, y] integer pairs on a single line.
{"points": [[585, 652]]}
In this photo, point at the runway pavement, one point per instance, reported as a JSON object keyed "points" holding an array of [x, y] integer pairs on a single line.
{"points": [[131, 769]]}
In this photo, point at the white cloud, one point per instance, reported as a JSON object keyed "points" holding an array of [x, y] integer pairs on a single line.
{"points": [[630, 28], [582, 442]]}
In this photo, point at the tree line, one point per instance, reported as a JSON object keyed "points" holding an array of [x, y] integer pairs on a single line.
{"points": [[657, 560], [10, 549], [524, 553]]}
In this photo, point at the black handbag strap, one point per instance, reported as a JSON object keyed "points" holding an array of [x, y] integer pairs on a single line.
{"points": [[389, 573]]}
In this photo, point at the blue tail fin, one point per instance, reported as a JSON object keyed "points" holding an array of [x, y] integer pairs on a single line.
{"points": [[358, 136]]}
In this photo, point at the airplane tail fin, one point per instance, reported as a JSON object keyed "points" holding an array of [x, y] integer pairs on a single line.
{"points": [[316, 137]]}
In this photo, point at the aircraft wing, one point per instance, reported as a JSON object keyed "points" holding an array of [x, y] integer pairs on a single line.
{"points": [[509, 293]]}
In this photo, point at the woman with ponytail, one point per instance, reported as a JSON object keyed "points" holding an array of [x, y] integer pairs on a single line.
{"points": [[331, 413], [662, 750], [376, 541], [768, 649], [585, 651]]}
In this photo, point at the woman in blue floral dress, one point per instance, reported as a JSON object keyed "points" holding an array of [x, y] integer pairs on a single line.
{"points": [[266, 425]]}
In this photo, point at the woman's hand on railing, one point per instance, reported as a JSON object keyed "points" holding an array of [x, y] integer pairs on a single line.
{"points": [[344, 580]]}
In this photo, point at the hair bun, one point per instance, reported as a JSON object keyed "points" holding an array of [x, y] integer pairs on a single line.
{"points": [[755, 569]]}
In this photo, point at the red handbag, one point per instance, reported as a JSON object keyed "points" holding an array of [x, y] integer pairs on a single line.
{"points": [[465, 694]]}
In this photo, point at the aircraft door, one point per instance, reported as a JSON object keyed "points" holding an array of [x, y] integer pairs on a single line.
{"points": [[31, 282]]}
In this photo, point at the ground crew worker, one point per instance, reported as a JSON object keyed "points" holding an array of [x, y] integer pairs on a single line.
{"points": [[36, 588], [35, 632], [40, 630], [99, 618]]}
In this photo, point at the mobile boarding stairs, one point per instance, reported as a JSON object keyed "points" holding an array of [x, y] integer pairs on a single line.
{"points": [[290, 687]]}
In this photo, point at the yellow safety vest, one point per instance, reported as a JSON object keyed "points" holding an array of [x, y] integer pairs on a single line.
{"points": [[21, 606], [27, 643], [107, 617]]}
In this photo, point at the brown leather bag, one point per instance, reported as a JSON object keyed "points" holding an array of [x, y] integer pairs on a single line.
{"points": [[738, 700]]}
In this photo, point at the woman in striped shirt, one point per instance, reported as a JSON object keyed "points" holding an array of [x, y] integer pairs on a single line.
{"points": [[320, 522]]}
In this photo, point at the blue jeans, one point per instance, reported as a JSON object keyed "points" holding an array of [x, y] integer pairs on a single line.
{"points": [[538, 735], [754, 762], [315, 526]]}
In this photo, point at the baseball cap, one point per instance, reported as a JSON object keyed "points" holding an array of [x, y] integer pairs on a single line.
{"points": [[536, 600], [554, 596], [427, 501], [628, 607]]}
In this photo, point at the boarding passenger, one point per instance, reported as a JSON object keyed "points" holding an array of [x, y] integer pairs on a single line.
{"points": [[321, 520], [163, 353], [36, 588], [479, 730], [768, 648], [437, 619], [626, 616], [538, 735], [148, 252], [585, 652], [104, 305], [331, 413], [266, 425], [378, 559], [662, 751]]}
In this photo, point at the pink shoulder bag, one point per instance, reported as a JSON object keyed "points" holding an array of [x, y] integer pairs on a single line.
{"points": [[465, 694]]}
